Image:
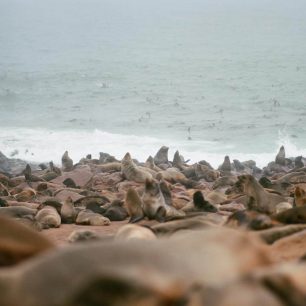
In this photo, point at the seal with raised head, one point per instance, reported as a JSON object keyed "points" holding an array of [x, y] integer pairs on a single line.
{"points": [[67, 162], [132, 172], [280, 158], [226, 166], [260, 199], [68, 212], [133, 204], [161, 157], [154, 204]]}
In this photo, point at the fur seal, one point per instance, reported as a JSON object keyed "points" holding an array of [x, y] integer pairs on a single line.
{"points": [[25, 195], [199, 204], [48, 217], [131, 231], [172, 175], [19, 242], [161, 157], [151, 165], [292, 216], [133, 172], [249, 219], [280, 158], [55, 169], [82, 235], [68, 212], [298, 162], [67, 162], [299, 197], [178, 161], [154, 204], [29, 177], [17, 211], [133, 204], [87, 217], [260, 199], [116, 211], [226, 166], [204, 172]]}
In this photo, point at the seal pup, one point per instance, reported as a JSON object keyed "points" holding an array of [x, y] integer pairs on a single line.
{"points": [[48, 217], [67, 162], [132, 172], [133, 204], [82, 235], [116, 211], [260, 199], [280, 158], [19, 242], [131, 231], [161, 157], [68, 211], [87, 217]]}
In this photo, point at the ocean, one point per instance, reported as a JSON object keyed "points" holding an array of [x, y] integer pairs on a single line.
{"points": [[207, 78]]}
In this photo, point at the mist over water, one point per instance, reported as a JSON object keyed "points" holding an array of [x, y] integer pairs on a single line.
{"points": [[118, 75]]}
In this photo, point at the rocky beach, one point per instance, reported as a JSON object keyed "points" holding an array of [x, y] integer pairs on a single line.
{"points": [[156, 232]]}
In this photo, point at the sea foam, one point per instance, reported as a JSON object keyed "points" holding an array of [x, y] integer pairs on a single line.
{"points": [[42, 145]]}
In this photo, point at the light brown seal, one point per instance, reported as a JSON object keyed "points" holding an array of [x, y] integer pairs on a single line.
{"points": [[260, 199], [68, 211], [132, 172], [48, 217], [87, 217], [132, 231], [133, 204]]}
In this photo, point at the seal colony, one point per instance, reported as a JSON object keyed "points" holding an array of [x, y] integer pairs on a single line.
{"points": [[187, 234]]}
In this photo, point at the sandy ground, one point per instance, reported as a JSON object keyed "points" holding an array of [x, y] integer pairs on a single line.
{"points": [[60, 235]]}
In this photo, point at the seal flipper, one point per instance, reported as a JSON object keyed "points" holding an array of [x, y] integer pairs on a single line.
{"points": [[201, 204], [166, 192], [133, 204], [160, 215]]}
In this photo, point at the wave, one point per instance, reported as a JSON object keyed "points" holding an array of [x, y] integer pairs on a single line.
{"points": [[42, 145]]}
